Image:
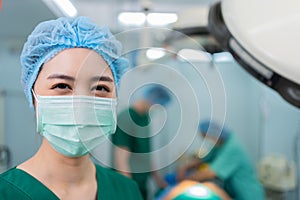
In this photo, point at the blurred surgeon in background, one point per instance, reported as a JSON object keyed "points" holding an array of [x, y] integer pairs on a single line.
{"points": [[133, 137], [224, 164]]}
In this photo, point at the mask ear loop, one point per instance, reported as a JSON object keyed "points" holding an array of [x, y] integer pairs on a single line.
{"points": [[36, 99], [34, 95], [37, 115]]}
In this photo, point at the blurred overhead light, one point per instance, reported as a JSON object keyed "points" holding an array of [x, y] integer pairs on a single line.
{"points": [[161, 19], [155, 53], [154, 19], [66, 7], [223, 57], [132, 18], [192, 17], [193, 55]]}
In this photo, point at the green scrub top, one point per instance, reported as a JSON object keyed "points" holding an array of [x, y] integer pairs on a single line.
{"points": [[18, 184], [232, 166], [133, 132]]}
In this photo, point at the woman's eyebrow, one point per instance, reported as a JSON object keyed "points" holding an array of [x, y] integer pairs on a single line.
{"points": [[61, 76], [101, 78]]}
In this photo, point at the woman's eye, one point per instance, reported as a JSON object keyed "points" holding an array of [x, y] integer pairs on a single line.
{"points": [[101, 88], [62, 86]]}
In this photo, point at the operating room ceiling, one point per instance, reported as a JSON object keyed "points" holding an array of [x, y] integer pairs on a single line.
{"points": [[19, 17]]}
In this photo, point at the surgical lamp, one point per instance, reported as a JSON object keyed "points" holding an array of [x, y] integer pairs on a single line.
{"points": [[264, 38]]}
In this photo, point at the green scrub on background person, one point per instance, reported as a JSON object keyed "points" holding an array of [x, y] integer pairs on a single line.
{"points": [[137, 141], [17, 184], [223, 165], [231, 164], [132, 154]]}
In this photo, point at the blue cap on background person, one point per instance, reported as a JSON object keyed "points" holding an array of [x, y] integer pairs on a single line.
{"points": [[157, 94], [213, 129], [51, 37]]}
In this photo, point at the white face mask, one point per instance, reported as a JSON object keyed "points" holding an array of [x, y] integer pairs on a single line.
{"points": [[75, 125]]}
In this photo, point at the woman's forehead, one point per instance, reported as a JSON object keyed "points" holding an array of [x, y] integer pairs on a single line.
{"points": [[77, 62]]}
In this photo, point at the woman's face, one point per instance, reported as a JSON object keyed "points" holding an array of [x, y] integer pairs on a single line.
{"points": [[76, 71]]}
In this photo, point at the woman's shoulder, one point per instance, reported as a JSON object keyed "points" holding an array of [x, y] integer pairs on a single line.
{"points": [[8, 188], [8, 175]]}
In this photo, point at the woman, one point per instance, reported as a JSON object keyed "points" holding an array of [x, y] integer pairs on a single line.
{"points": [[71, 69]]}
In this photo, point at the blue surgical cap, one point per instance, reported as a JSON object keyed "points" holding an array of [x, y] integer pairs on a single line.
{"points": [[213, 129], [157, 94], [51, 37]]}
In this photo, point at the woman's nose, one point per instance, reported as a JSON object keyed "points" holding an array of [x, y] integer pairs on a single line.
{"points": [[82, 90]]}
